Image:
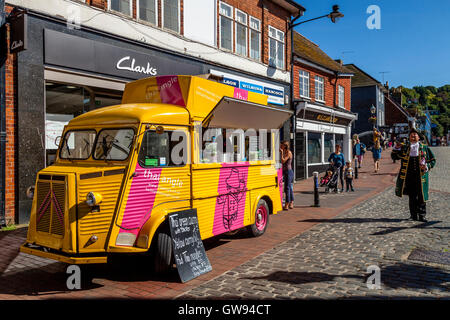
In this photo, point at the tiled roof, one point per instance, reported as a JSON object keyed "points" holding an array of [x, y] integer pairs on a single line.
{"points": [[308, 50], [360, 78]]}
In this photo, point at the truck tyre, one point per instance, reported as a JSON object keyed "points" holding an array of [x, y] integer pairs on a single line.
{"points": [[261, 219], [163, 252]]}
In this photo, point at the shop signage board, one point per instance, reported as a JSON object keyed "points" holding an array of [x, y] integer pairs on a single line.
{"points": [[70, 51], [323, 117], [18, 33], [275, 94], [188, 249]]}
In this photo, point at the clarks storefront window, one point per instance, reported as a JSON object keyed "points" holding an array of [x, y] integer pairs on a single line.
{"points": [[63, 103], [314, 147]]}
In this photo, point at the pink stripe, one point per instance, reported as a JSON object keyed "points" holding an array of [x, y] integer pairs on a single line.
{"points": [[280, 183], [230, 204], [170, 91], [240, 94], [141, 199]]}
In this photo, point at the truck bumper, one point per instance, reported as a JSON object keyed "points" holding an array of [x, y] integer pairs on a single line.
{"points": [[42, 252]]}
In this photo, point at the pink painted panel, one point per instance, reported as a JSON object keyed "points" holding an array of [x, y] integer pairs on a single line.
{"points": [[170, 90], [141, 199], [230, 204], [280, 183], [240, 94]]}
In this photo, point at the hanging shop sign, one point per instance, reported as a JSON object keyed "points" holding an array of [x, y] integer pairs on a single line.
{"points": [[18, 32]]}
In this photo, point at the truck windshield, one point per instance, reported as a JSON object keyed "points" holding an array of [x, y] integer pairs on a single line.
{"points": [[77, 144], [114, 144]]}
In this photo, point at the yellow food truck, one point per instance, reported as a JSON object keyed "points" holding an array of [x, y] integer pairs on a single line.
{"points": [[175, 143]]}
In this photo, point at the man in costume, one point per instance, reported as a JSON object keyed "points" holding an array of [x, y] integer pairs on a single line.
{"points": [[416, 161]]}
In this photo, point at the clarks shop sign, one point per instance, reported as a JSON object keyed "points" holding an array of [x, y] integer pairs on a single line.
{"points": [[18, 32], [70, 51], [128, 63]]}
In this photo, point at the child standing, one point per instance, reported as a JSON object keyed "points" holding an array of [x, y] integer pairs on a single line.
{"points": [[348, 173]]}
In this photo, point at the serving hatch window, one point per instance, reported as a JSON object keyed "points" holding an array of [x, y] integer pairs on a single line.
{"points": [[77, 144], [114, 144]]}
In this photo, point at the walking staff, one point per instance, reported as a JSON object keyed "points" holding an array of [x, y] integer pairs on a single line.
{"points": [[416, 161]]}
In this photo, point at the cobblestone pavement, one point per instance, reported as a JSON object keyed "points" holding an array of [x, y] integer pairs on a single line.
{"points": [[440, 173], [331, 260]]}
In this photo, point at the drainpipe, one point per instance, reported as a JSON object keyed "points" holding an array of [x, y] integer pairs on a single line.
{"points": [[3, 55]]}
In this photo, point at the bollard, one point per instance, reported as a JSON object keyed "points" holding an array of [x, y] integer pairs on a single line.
{"points": [[356, 168], [316, 189]]}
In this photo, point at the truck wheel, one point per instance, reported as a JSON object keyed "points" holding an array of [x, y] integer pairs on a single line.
{"points": [[163, 252], [261, 219]]}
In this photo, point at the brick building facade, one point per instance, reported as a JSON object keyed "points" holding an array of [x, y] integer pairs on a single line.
{"points": [[72, 64], [322, 99]]}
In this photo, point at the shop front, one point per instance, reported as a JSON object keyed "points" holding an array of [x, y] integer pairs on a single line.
{"points": [[318, 130], [66, 72]]}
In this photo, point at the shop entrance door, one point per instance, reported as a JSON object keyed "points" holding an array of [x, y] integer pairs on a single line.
{"points": [[300, 156], [65, 102]]}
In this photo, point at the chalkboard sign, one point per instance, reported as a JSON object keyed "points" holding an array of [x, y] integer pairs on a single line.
{"points": [[188, 249]]}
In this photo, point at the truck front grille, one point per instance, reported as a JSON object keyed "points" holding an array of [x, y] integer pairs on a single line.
{"points": [[51, 204]]}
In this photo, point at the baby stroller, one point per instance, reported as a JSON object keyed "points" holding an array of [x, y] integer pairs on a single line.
{"points": [[330, 179]]}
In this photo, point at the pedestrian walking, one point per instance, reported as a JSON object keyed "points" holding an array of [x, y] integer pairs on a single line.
{"points": [[376, 153], [359, 149], [338, 161], [288, 175], [417, 160], [348, 174]]}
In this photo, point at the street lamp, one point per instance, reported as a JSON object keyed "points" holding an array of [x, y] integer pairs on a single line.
{"points": [[335, 15]]}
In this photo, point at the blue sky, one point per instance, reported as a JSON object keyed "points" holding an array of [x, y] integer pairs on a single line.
{"points": [[412, 46]]}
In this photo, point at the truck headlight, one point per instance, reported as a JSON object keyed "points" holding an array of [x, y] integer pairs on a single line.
{"points": [[93, 199], [30, 192]]}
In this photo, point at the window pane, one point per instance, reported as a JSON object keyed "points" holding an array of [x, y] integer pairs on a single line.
{"points": [[114, 144], [254, 24], [314, 147], [241, 39], [121, 6], [77, 144], [254, 45], [154, 150], [226, 10], [328, 145], [280, 55], [272, 52], [171, 14], [147, 10], [241, 17], [225, 33]]}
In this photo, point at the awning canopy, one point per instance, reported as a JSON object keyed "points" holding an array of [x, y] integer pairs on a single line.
{"points": [[241, 114]]}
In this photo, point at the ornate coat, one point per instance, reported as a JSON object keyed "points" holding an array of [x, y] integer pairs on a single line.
{"points": [[403, 155]]}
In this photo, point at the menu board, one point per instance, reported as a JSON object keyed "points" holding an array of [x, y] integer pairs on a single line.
{"points": [[188, 249]]}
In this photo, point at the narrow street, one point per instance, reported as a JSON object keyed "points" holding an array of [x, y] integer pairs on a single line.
{"points": [[306, 253], [331, 259]]}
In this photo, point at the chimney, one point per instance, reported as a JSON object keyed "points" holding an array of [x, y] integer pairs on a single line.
{"points": [[339, 61]]}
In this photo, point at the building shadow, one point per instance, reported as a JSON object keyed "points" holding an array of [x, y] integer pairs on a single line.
{"points": [[415, 276], [293, 277], [40, 282], [423, 225], [354, 220]]}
